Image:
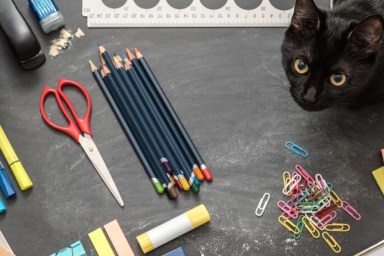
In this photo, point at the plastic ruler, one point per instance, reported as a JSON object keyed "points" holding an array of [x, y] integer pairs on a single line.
{"points": [[195, 15]]}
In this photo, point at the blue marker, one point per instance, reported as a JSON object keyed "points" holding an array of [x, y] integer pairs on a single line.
{"points": [[48, 14], [2, 206], [6, 184]]}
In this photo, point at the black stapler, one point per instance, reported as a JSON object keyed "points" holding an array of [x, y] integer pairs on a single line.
{"points": [[20, 36]]}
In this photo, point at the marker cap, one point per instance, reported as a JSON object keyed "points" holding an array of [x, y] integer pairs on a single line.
{"points": [[6, 185], [21, 176], [3, 208]]}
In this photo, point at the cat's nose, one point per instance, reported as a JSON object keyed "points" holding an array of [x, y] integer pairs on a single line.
{"points": [[309, 97]]}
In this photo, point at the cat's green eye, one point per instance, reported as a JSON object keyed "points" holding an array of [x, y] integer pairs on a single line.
{"points": [[338, 80], [300, 66]]}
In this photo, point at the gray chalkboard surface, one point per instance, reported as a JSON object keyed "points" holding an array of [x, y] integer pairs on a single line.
{"points": [[229, 89]]}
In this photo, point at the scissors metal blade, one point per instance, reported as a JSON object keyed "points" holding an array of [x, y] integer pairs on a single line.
{"points": [[94, 155]]}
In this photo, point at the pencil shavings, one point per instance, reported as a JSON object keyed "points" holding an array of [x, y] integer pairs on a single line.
{"points": [[63, 41]]}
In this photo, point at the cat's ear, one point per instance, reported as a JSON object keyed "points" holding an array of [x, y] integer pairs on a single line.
{"points": [[365, 38], [306, 18]]}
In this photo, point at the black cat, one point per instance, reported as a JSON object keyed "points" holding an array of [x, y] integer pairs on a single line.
{"points": [[335, 58]]}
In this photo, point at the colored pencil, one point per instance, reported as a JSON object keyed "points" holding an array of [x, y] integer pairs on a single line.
{"points": [[146, 104], [147, 123], [159, 96], [192, 170], [147, 166], [138, 83], [130, 103], [130, 118]]}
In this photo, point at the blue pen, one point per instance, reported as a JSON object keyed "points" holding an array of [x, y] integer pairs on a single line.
{"points": [[6, 184], [48, 14]]}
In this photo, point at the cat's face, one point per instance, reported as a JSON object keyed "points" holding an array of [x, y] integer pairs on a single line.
{"points": [[329, 60]]}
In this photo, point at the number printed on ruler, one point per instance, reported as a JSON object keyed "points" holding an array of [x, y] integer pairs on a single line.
{"points": [[194, 13]]}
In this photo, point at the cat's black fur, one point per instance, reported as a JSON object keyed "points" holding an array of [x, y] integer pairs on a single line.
{"points": [[347, 40]]}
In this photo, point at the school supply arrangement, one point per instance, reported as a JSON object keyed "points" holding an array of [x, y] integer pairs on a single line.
{"points": [[196, 13], [160, 140], [313, 203], [110, 240], [21, 38], [79, 128]]}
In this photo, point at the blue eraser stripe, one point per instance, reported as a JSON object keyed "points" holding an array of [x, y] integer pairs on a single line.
{"points": [[43, 8]]}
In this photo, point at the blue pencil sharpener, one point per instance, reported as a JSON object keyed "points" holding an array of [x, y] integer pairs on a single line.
{"points": [[48, 14]]}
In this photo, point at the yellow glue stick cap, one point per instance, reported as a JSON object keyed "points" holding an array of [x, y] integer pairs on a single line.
{"points": [[198, 216], [145, 242], [17, 168]]}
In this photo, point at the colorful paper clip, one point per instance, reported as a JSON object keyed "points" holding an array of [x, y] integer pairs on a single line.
{"points": [[300, 225], [337, 227], [288, 210], [335, 198], [331, 242], [296, 178], [288, 224], [296, 149], [286, 178], [320, 182], [328, 218], [262, 204], [351, 211], [310, 227], [300, 170], [317, 222]]}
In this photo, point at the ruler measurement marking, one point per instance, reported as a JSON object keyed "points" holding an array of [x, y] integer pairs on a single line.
{"points": [[196, 15]]}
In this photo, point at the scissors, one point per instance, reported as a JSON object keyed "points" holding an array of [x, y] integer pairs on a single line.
{"points": [[79, 128]]}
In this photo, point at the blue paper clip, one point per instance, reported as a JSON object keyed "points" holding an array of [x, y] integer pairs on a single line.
{"points": [[296, 149]]}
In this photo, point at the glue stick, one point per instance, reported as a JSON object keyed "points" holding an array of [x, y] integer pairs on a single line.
{"points": [[173, 228]]}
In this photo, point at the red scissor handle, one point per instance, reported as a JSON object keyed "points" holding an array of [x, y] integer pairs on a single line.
{"points": [[76, 125], [71, 129], [83, 123]]}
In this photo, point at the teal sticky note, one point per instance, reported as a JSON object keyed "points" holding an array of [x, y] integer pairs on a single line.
{"points": [[78, 249], [65, 252]]}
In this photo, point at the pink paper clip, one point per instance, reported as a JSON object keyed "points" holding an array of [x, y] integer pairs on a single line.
{"points": [[288, 210], [320, 182], [328, 218], [304, 174], [351, 211]]}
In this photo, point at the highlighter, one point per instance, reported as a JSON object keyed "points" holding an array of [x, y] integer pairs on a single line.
{"points": [[6, 184], [17, 168], [173, 228]]}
